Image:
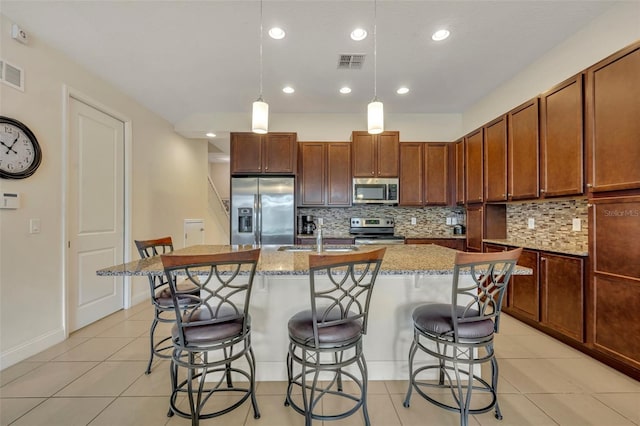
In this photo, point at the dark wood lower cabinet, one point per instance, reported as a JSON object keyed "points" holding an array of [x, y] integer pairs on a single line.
{"points": [[562, 285], [524, 290]]}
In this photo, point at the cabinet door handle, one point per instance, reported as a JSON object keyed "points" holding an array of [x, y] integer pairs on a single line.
{"points": [[589, 185], [542, 190], [542, 259]]}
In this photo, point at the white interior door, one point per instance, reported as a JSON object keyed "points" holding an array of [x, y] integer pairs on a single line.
{"points": [[193, 232], [95, 213]]}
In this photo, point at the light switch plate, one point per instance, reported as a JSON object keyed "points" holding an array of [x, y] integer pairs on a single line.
{"points": [[531, 223], [576, 224], [413, 221], [34, 226]]}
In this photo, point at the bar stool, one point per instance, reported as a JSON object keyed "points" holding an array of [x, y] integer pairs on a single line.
{"points": [[160, 297], [328, 337], [460, 335], [213, 331]]}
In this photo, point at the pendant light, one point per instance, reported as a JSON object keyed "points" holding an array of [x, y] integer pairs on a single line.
{"points": [[375, 109], [260, 115]]}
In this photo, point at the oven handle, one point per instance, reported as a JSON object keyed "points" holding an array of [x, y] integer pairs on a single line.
{"points": [[368, 241]]}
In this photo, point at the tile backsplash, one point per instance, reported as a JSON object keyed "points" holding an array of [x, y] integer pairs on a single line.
{"points": [[553, 222], [429, 220]]}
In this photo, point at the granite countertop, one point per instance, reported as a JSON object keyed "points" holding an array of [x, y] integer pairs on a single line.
{"points": [[575, 250], [407, 259]]}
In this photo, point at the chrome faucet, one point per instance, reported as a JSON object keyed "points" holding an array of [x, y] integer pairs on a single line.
{"points": [[319, 239]]}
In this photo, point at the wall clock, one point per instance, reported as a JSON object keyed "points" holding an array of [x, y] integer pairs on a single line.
{"points": [[20, 153]]}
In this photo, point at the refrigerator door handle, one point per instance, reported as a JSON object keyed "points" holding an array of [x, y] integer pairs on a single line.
{"points": [[257, 219]]}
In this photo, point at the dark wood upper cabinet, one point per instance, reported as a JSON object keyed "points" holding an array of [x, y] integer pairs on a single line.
{"points": [[436, 175], [475, 227], [459, 173], [411, 174], [312, 159], [474, 172], [375, 155], [339, 174], [561, 139], [523, 151], [495, 160], [272, 153], [324, 174], [424, 174], [613, 122]]}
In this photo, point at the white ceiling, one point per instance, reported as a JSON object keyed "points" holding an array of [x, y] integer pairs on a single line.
{"points": [[181, 58]]}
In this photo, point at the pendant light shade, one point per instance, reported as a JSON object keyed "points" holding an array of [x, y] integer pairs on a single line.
{"points": [[375, 117], [375, 110], [260, 112], [260, 118]]}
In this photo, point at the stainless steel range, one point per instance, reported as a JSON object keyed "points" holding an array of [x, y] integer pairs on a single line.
{"points": [[374, 230]]}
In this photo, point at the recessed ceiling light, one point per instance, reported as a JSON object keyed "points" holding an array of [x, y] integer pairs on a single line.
{"points": [[211, 135], [440, 35], [345, 90], [276, 33], [402, 91], [358, 34], [288, 89]]}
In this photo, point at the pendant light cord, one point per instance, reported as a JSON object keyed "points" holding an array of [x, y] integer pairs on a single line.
{"points": [[261, 50], [375, 50]]}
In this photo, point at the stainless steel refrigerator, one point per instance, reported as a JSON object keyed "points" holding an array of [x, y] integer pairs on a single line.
{"points": [[262, 210]]}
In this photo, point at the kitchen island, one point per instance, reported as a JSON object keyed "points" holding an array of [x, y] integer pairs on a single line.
{"points": [[409, 276]]}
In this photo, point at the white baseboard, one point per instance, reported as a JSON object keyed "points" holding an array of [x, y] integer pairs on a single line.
{"points": [[30, 348]]}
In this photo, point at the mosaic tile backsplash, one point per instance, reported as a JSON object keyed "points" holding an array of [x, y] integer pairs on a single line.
{"points": [[429, 220], [553, 220]]}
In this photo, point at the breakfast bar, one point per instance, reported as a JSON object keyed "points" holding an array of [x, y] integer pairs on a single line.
{"points": [[409, 276]]}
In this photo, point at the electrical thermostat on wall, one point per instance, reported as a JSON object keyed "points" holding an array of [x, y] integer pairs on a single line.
{"points": [[10, 200]]}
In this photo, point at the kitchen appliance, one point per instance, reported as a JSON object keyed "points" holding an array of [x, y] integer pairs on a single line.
{"points": [[262, 210], [306, 224], [375, 190], [374, 230], [459, 230]]}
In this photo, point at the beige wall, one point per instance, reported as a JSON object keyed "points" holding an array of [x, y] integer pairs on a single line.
{"points": [[617, 28], [168, 185]]}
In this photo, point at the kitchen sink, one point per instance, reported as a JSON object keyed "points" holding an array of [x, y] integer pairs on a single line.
{"points": [[313, 248]]}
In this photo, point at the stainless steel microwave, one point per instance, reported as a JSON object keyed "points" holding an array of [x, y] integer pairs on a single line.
{"points": [[375, 190]]}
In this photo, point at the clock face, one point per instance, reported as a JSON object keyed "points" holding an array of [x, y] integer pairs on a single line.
{"points": [[20, 153]]}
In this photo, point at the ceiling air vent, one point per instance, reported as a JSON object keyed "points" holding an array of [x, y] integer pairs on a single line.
{"points": [[348, 61], [11, 75]]}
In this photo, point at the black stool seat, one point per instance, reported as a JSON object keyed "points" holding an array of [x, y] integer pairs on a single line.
{"points": [[301, 330], [437, 319]]}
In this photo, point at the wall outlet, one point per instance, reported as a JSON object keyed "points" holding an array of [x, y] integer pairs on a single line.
{"points": [[320, 221], [413, 221], [531, 223], [576, 224]]}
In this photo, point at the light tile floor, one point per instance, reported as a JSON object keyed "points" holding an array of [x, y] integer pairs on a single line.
{"points": [[96, 377]]}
